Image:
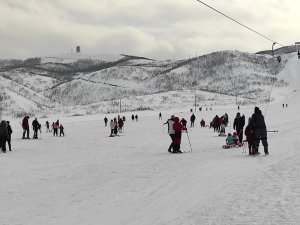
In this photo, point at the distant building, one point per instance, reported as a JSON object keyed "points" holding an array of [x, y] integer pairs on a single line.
{"points": [[77, 49]]}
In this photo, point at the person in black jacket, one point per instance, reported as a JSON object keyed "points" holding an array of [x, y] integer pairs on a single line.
{"points": [[36, 126], [260, 130], [9, 130], [192, 119], [238, 125], [3, 135], [105, 121]]}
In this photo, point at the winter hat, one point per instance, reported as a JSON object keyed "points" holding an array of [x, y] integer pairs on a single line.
{"points": [[229, 134], [256, 109], [172, 117]]}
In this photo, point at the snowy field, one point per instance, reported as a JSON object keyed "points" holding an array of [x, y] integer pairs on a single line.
{"points": [[88, 178]]}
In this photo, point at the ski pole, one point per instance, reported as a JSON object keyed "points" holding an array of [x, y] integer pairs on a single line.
{"points": [[189, 140], [272, 130]]}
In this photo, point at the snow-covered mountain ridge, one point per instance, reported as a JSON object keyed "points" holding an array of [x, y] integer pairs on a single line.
{"points": [[96, 84]]}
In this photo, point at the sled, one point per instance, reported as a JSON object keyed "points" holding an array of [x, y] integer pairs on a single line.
{"points": [[229, 146]]}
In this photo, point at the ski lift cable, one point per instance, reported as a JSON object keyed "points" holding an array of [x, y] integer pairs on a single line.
{"points": [[240, 23]]}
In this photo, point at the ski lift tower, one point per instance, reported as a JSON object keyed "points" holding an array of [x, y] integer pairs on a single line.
{"points": [[273, 49], [298, 48]]}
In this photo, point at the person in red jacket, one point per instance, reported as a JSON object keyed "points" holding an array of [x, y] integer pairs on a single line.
{"points": [[250, 135], [177, 127], [25, 126]]}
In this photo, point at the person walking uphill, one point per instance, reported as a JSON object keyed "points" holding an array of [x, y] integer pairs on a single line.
{"points": [[3, 135], [238, 125], [177, 127], [260, 130], [171, 132]]}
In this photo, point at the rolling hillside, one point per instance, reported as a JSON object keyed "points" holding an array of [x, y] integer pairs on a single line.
{"points": [[93, 84]]}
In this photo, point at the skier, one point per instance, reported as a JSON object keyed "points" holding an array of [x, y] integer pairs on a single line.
{"points": [[25, 126], [3, 135], [132, 117], [249, 133], [192, 119], [177, 127], [159, 116], [238, 125], [171, 132], [260, 130], [9, 130], [61, 130], [35, 126], [136, 118], [105, 121]]}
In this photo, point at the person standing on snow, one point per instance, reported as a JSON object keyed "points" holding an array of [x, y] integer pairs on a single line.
{"points": [[112, 127], [249, 132], [3, 135], [35, 126], [55, 128], [47, 127], [9, 130], [171, 132], [159, 116], [238, 125], [25, 126], [61, 130], [177, 127], [192, 119], [120, 124], [260, 130], [105, 121]]}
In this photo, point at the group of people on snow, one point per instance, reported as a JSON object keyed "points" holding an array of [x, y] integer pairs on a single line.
{"points": [[255, 131], [116, 125], [218, 121]]}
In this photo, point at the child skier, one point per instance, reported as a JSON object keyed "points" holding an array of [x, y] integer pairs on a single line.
{"points": [[249, 132]]}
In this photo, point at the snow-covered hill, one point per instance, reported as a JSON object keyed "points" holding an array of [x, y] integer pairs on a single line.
{"points": [[98, 83], [89, 178]]}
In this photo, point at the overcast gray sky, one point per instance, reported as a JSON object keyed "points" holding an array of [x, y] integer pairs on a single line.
{"points": [[152, 28]]}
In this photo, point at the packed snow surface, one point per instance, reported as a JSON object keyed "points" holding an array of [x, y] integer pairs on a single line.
{"points": [[88, 178]]}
